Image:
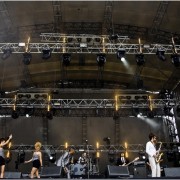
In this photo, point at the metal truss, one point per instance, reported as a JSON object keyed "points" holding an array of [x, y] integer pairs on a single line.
{"points": [[95, 46], [5, 15], [80, 148], [112, 149], [107, 20], [85, 103], [159, 16], [58, 24]]}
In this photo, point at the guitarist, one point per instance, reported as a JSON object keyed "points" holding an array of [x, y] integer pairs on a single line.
{"points": [[122, 160], [152, 155]]}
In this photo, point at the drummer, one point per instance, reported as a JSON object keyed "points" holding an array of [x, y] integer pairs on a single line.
{"points": [[83, 159]]}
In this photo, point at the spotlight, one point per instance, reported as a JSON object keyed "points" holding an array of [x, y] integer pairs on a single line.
{"points": [[101, 59], [66, 59], [107, 140], [46, 53], [175, 59], [136, 112], [6, 53], [15, 115], [121, 54], [114, 37], [140, 59], [52, 157], [49, 115], [29, 112], [160, 54], [142, 156], [27, 58]]}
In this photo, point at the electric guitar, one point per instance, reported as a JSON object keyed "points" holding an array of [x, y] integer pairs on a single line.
{"points": [[136, 159]]}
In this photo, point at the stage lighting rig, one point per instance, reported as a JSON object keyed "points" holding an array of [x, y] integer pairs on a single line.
{"points": [[121, 54], [46, 53]]}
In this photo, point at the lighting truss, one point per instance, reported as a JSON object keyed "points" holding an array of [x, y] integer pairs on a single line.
{"points": [[85, 103], [134, 148], [59, 43], [80, 148]]}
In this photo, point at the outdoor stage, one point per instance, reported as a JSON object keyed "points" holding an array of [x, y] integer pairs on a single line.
{"points": [[112, 172]]}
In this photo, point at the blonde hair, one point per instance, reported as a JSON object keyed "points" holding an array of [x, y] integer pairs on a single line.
{"points": [[38, 146]]}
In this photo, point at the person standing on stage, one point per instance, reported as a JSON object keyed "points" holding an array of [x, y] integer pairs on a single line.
{"points": [[3, 142], [37, 160], [152, 155], [66, 160]]}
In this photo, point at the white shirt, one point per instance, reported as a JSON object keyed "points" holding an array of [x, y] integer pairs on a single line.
{"points": [[150, 149]]}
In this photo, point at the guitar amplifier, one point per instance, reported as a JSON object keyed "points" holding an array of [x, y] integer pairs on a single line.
{"points": [[139, 163]]}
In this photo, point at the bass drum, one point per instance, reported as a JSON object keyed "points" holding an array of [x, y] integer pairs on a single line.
{"points": [[78, 169]]}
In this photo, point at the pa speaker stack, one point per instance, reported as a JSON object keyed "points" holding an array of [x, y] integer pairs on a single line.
{"points": [[51, 172], [12, 175], [118, 171], [172, 172]]}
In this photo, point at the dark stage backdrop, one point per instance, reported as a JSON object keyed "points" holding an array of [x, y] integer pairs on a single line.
{"points": [[69, 129]]}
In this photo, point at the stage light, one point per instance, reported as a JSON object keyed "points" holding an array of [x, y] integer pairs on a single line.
{"points": [[114, 37], [121, 54], [66, 59], [101, 59], [52, 157], [142, 155], [27, 58], [49, 115], [46, 53], [6, 53], [21, 44], [29, 112], [15, 114], [160, 54], [140, 59], [175, 59]]}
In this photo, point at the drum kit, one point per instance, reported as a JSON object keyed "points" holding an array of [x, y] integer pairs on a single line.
{"points": [[83, 167]]}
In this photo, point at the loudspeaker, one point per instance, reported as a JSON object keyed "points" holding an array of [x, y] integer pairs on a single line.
{"points": [[54, 171], [172, 172], [140, 172], [118, 171], [12, 175]]}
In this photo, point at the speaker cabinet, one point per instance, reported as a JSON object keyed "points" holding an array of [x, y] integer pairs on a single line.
{"points": [[140, 172], [118, 171], [12, 175], [48, 172], [172, 172]]}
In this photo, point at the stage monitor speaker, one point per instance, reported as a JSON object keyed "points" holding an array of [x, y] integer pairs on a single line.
{"points": [[140, 172], [172, 172], [12, 175], [118, 171], [48, 172]]}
